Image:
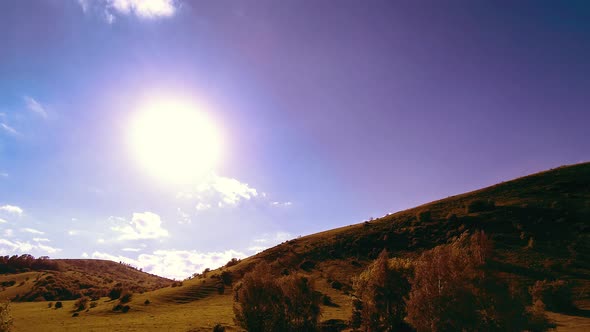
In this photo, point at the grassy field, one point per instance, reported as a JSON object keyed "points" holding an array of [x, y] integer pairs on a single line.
{"points": [[540, 225]]}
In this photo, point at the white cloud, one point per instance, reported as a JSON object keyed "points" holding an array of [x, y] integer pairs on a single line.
{"points": [[131, 249], [177, 264], [8, 233], [278, 204], [3, 175], [221, 192], [9, 129], [39, 239], [145, 9], [269, 240], [13, 247], [2, 221], [145, 225], [35, 107], [85, 255], [73, 232], [31, 230], [12, 209]]}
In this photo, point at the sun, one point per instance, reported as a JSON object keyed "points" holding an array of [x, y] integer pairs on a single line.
{"points": [[174, 141]]}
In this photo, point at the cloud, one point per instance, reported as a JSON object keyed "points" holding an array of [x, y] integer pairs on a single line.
{"points": [[177, 264], [31, 230], [269, 240], [3, 175], [131, 249], [14, 247], [219, 191], [8, 233], [8, 129], [2, 221], [39, 239], [144, 9], [12, 209], [146, 225], [279, 204], [35, 107]]}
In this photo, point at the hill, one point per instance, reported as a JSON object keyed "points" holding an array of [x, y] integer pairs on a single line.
{"points": [[540, 225], [65, 279]]}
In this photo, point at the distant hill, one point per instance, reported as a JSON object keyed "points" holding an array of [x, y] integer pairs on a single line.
{"points": [[63, 279]]}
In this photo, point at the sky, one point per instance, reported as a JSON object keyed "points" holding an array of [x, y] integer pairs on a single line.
{"points": [[311, 115]]}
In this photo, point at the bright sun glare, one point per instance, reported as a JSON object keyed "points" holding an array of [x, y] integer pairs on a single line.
{"points": [[175, 141]]}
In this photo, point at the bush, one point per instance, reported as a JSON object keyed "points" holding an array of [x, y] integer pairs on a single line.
{"points": [[336, 285], [50, 305], [146, 302], [81, 303], [218, 328], [264, 303], [58, 305], [125, 309], [115, 293], [452, 290], [555, 295], [424, 216], [232, 262], [380, 291], [125, 297], [75, 314], [118, 307], [5, 317], [226, 278], [480, 205]]}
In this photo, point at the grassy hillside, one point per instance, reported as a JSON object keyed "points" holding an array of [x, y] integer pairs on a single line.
{"points": [[540, 225], [72, 278]]}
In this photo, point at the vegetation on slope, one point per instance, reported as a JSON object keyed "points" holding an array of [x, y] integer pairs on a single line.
{"points": [[72, 278]]}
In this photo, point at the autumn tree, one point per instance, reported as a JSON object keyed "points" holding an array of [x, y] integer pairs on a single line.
{"points": [[453, 289], [264, 303], [379, 295]]}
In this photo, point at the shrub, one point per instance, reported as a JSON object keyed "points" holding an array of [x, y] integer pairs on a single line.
{"points": [[93, 304], [480, 205], [58, 305], [380, 292], [125, 309], [452, 290], [125, 297], [555, 295], [115, 293], [81, 303], [336, 285], [5, 317], [50, 305], [226, 278], [265, 303], [75, 314], [232, 262], [218, 328], [307, 265], [424, 216], [146, 302], [118, 307]]}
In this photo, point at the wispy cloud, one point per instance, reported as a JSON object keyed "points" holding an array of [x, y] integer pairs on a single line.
{"points": [[13, 247], [146, 225], [145, 9], [2, 221], [8, 129], [12, 209], [35, 107], [177, 264], [32, 231], [3, 175]]}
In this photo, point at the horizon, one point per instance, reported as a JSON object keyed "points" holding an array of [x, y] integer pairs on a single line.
{"points": [[174, 136]]}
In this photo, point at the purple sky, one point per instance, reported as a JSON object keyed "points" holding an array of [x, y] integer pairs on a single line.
{"points": [[332, 112]]}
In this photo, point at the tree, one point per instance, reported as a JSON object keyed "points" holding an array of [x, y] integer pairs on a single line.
{"points": [[454, 290], [380, 292], [263, 303]]}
